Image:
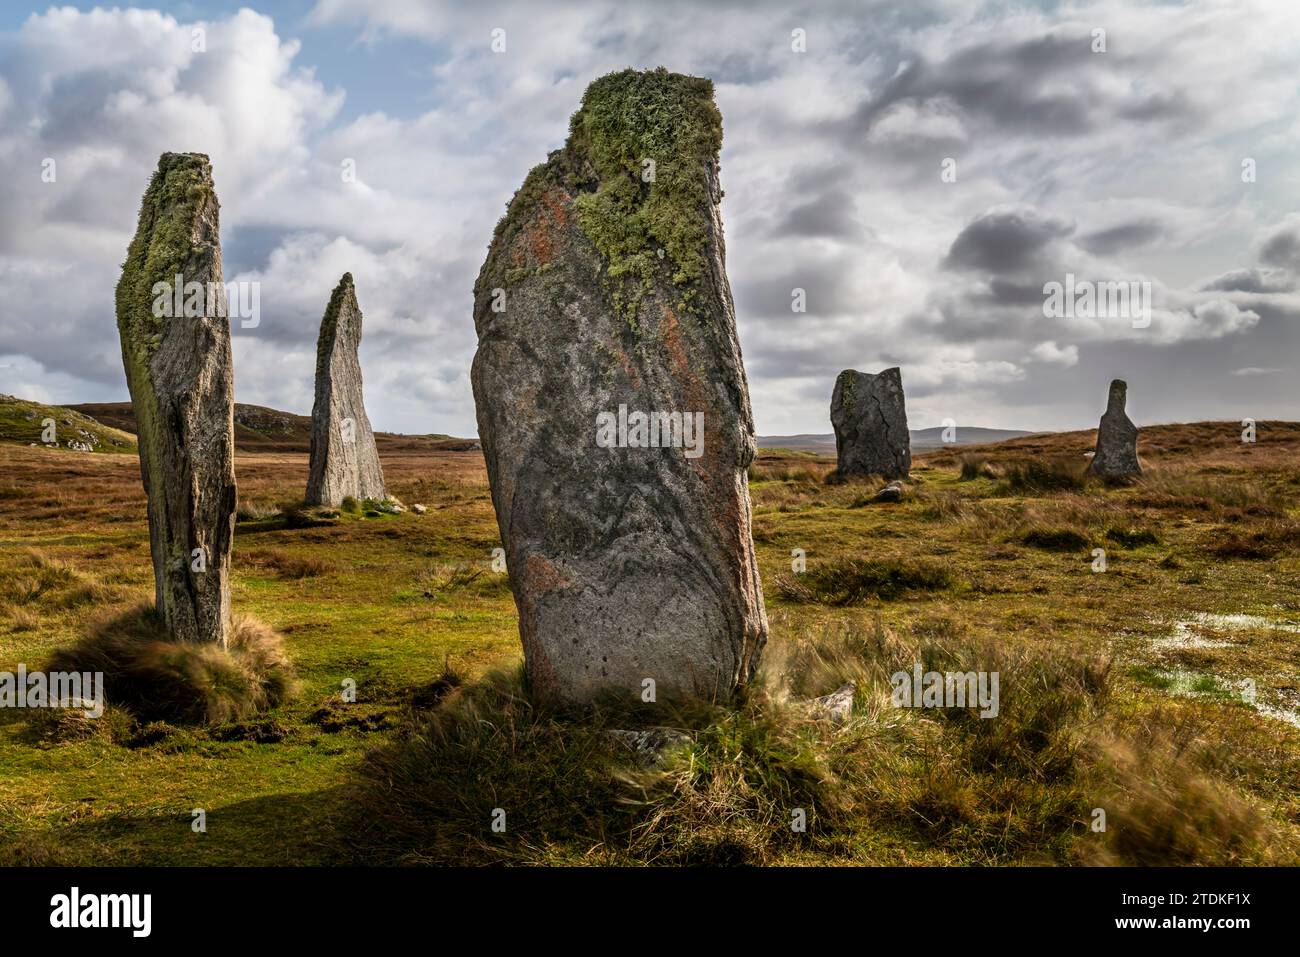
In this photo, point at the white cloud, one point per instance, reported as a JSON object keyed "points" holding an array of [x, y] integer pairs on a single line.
{"points": [[1050, 352]]}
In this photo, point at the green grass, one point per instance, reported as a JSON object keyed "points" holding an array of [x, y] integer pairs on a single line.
{"points": [[26, 422], [1186, 770]]}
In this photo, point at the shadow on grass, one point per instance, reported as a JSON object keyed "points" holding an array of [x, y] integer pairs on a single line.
{"points": [[280, 830]]}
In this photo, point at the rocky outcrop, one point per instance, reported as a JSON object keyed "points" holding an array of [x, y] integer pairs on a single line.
{"points": [[870, 421], [1116, 454], [178, 369], [613, 407], [344, 460]]}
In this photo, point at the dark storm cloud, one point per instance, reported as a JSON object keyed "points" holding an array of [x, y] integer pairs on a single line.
{"points": [[1006, 241], [1253, 280], [827, 283], [999, 83], [1282, 248], [831, 215], [1105, 242]]}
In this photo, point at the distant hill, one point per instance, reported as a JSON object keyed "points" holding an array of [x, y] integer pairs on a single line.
{"points": [[25, 422], [922, 439], [259, 429]]}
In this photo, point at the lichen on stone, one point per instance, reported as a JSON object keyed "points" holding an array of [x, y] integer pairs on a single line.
{"points": [[177, 197], [641, 229], [848, 383], [629, 118]]}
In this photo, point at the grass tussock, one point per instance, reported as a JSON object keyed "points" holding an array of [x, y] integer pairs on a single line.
{"points": [[851, 581], [1131, 537], [53, 585], [1165, 812], [158, 679], [1188, 492], [290, 567], [298, 514], [1055, 539], [256, 512], [974, 467], [437, 582], [1041, 475], [1264, 541]]}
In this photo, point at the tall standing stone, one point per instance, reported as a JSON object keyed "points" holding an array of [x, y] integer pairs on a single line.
{"points": [[178, 369], [870, 421], [344, 460], [1116, 454], [613, 407]]}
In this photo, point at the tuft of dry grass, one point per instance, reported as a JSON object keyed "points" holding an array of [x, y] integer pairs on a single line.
{"points": [[851, 581], [1041, 475], [156, 678], [1165, 812], [975, 467], [290, 567], [22, 619]]}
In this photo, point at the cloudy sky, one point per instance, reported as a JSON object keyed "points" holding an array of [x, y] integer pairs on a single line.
{"points": [[1132, 163]]}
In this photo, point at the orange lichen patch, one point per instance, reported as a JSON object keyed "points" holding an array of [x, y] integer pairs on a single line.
{"points": [[697, 396], [542, 575], [543, 233], [539, 577], [629, 370], [557, 204], [671, 335]]}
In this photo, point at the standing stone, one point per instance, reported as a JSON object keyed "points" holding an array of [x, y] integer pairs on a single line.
{"points": [[344, 460], [178, 369], [870, 421], [613, 407], [1116, 455]]}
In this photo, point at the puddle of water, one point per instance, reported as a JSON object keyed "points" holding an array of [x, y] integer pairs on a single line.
{"points": [[1182, 636], [1281, 714], [1240, 622], [1183, 633], [1185, 684]]}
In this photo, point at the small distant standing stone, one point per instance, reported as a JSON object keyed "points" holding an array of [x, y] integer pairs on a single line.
{"points": [[344, 459], [870, 420], [1116, 454]]}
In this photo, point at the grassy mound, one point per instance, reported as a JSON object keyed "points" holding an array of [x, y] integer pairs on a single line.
{"points": [[158, 679]]}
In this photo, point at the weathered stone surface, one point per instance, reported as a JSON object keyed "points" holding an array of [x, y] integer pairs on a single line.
{"points": [[178, 369], [870, 421], [836, 707], [605, 290], [344, 460], [1116, 454], [893, 492], [651, 745]]}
